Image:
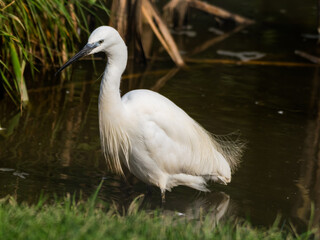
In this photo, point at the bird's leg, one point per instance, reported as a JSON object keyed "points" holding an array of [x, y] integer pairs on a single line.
{"points": [[163, 197], [149, 190]]}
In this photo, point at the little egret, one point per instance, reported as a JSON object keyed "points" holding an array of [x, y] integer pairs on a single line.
{"points": [[147, 133]]}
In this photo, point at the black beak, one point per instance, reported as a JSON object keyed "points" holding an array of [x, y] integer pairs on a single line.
{"points": [[84, 52]]}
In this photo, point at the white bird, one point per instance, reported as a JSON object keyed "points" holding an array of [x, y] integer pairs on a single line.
{"points": [[147, 133]]}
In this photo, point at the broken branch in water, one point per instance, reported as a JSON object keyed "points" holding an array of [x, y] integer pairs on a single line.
{"points": [[243, 56], [215, 40], [208, 8], [253, 62], [307, 56], [219, 12]]}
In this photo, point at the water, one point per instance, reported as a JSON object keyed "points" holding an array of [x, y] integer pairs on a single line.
{"points": [[53, 147]]}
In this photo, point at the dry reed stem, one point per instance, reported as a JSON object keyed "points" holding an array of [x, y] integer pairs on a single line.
{"points": [[181, 8], [119, 8], [123, 14], [119, 17], [73, 15], [208, 8], [156, 31], [137, 30], [24, 98], [162, 32], [217, 11], [6, 6]]}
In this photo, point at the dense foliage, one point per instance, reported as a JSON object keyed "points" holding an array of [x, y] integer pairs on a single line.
{"points": [[39, 31]]}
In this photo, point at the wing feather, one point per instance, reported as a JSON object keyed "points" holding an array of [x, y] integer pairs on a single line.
{"points": [[176, 142]]}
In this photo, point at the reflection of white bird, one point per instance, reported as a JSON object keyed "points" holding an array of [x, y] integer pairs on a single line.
{"points": [[155, 139], [216, 205]]}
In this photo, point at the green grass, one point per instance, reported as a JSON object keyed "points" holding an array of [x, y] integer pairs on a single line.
{"points": [[91, 219], [40, 32]]}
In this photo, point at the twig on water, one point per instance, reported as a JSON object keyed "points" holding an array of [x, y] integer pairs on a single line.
{"points": [[307, 56]]}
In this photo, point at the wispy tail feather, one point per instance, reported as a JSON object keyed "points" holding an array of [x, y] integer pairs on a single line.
{"points": [[231, 146]]}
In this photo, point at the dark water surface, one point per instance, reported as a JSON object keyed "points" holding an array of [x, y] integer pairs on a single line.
{"points": [[54, 146]]}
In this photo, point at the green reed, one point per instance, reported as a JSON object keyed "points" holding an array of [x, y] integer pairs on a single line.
{"points": [[39, 33]]}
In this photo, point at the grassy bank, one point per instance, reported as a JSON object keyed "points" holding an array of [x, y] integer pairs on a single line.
{"points": [[68, 219]]}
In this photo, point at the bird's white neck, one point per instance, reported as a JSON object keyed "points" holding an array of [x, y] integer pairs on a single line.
{"points": [[117, 62], [112, 114], [109, 97]]}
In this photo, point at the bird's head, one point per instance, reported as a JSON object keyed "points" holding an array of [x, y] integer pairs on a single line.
{"points": [[101, 40]]}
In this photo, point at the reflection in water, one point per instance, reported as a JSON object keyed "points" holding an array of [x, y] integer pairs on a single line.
{"points": [[183, 202], [309, 180], [215, 204]]}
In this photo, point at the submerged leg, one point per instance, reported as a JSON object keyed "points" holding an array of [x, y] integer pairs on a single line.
{"points": [[163, 197], [148, 192]]}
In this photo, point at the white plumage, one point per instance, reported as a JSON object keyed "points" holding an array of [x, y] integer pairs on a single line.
{"points": [[155, 139]]}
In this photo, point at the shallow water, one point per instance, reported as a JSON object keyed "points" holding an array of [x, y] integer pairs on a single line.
{"points": [[54, 147]]}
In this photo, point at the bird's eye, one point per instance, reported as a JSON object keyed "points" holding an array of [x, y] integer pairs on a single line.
{"points": [[101, 41]]}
